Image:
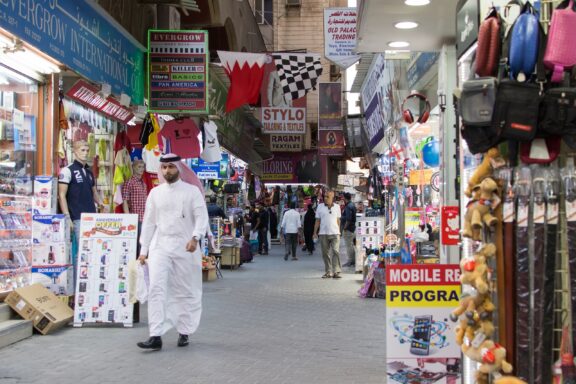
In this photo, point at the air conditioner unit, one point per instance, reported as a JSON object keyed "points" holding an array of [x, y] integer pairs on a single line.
{"points": [[293, 3]]}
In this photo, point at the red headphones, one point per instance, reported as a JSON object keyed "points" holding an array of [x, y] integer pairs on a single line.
{"points": [[407, 113]]}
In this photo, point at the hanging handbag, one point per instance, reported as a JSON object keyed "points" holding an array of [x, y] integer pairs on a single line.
{"points": [[524, 42], [489, 44], [476, 107], [515, 114], [561, 49], [558, 112]]}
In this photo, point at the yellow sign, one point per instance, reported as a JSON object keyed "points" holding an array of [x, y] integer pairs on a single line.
{"points": [[422, 296], [420, 177]]}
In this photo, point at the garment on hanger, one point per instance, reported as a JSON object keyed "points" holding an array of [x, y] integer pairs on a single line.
{"points": [[183, 137], [211, 152], [153, 136], [152, 159], [147, 129]]}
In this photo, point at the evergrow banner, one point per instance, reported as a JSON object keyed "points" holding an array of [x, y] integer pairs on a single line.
{"points": [[340, 36]]}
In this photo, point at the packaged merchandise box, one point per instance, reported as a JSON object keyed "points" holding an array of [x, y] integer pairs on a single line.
{"points": [[208, 274], [46, 311], [44, 195], [48, 229], [230, 257]]}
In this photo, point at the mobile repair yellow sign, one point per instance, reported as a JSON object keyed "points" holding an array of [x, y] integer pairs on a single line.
{"points": [[422, 285]]}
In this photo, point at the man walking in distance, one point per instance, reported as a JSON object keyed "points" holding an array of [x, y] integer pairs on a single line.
{"points": [[349, 229], [262, 228], [134, 194], [175, 221], [290, 227], [327, 228]]}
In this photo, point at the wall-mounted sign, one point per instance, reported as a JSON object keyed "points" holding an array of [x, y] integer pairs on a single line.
{"points": [[340, 36], [286, 143], [450, 225], [178, 71], [421, 66], [330, 106], [87, 95], [331, 142], [284, 120], [80, 35], [467, 22]]}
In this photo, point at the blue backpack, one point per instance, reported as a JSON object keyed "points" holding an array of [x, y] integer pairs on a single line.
{"points": [[525, 41]]}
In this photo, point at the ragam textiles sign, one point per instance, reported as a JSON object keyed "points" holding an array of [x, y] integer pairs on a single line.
{"points": [[82, 36], [178, 71], [286, 143], [340, 36], [87, 95]]}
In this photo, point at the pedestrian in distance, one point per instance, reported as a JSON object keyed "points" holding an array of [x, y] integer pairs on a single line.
{"points": [[309, 222], [175, 220], [290, 227], [327, 229], [349, 229]]}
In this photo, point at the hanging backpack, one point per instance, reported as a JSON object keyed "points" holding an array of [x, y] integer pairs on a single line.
{"points": [[489, 44], [561, 49], [524, 42]]}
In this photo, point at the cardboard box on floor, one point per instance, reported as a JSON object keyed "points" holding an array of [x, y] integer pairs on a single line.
{"points": [[38, 304]]}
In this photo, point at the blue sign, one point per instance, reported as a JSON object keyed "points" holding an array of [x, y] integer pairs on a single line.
{"points": [[79, 34], [204, 170], [375, 121], [418, 69]]}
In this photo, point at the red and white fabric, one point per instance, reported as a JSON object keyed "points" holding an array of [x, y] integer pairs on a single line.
{"points": [[246, 71]]}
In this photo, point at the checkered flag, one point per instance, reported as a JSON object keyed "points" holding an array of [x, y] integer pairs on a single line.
{"points": [[298, 73]]}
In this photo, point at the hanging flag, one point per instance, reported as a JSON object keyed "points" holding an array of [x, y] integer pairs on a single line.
{"points": [[298, 73], [245, 71]]}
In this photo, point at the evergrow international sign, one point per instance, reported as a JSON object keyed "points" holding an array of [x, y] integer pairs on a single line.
{"points": [[178, 71]]}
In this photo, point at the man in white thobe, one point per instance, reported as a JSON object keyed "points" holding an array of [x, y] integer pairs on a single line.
{"points": [[174, 223]]}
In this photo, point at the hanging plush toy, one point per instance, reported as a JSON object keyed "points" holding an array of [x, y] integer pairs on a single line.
{"points": [[479, 210], [475, 270]]}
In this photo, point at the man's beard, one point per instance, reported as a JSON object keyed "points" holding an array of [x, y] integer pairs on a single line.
{"points": [[170, 178]]}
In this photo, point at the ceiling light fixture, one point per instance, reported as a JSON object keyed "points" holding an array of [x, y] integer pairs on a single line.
{"points": [[398, 44], [416, 3], [406, 25]]}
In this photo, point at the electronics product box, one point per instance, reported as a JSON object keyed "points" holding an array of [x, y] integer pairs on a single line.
{"points": [[48, 229], [230, 257], [50, 254], [46, 311], [58, 279], [44, 195]]}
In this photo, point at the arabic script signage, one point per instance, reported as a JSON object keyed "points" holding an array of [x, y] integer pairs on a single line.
{"points": [[340, 36], [80, 35]]}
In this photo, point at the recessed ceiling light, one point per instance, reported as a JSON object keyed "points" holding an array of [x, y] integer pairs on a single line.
{"points": [[416, 3], [398, 44], [406, 25]]}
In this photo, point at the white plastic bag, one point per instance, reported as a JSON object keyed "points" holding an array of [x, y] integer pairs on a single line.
{"points": [[142, 283], [253, 235]]}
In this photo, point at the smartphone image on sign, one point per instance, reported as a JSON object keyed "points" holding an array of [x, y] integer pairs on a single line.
{"points": [[421, 335]]}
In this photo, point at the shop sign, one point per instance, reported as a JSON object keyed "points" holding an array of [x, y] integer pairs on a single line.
{"points": [[419, 300], [87, 95], [286, 143], [467, 23], [178, 71], [331, 143], [211, 171], [284, 120], [330, 106], [82, 36], [278, 169], [340, 36], [421, 66], [450, 225]]}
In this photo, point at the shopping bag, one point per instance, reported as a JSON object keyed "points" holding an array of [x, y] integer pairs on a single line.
{"points": [[142, 283], [253, 235]]}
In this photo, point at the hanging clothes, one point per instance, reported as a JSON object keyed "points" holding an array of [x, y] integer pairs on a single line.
{"points": [[211, 152], [153, 137], [183, 137], [147, 129]]}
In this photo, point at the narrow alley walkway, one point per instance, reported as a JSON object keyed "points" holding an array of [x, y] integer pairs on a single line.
{"points": [[271, 321]]}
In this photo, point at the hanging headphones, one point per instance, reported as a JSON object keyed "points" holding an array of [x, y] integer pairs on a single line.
{"points": [[407, 113]]}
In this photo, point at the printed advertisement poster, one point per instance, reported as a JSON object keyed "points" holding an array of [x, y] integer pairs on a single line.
{"points": [[178, 71], [107, 244], [330, 106], [420, 338], [340, 36], [211, 171], [279, 115], [450, 225], [331, 143], [286, 143]]}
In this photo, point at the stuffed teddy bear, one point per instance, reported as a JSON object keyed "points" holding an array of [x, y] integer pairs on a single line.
{"points": [[477, 311], [475, 270], [491, 355], [479, 209], [491, 161], [509, 380]]}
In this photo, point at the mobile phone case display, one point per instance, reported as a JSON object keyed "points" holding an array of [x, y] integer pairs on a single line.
{"points": [[15, 242], [107, 243], [51, 265], [216, 229], [370, 232]]}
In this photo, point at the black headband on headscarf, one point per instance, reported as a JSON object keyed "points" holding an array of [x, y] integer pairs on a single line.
{"points": [[170, 158]]}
